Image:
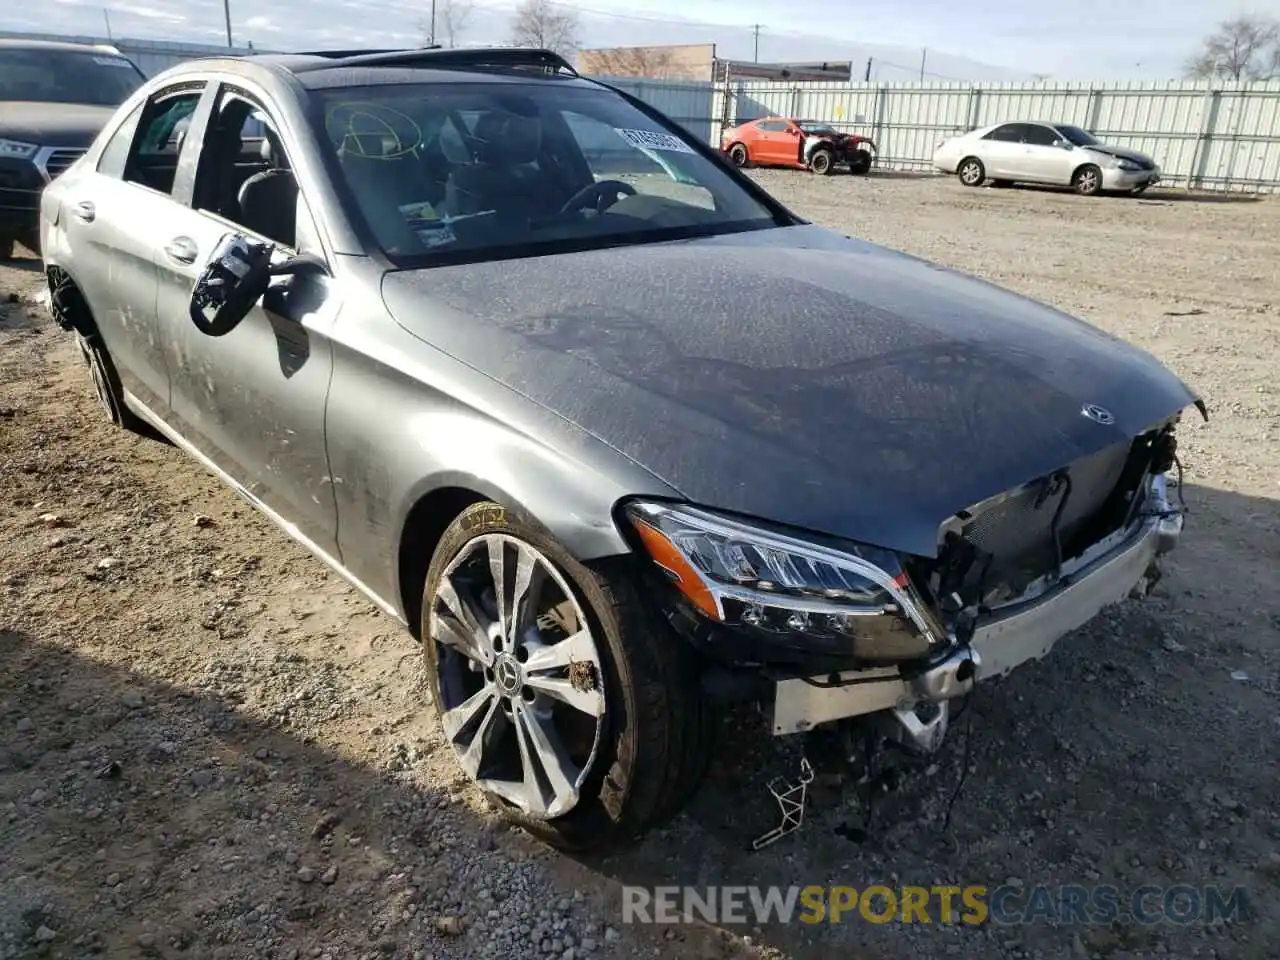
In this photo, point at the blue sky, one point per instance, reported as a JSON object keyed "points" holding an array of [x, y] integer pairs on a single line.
{"points": [[981, 39]]}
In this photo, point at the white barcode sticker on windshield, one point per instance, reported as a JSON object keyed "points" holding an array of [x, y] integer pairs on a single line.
{"points": [[654, 140], [113, 62]]}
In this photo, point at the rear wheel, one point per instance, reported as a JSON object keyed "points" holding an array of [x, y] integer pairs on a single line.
{"points": [[738, 155], [106, 384], [821, 162], [1087, 180], [971, 172], [563, 697]]}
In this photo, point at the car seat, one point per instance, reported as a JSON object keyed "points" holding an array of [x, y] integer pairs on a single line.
{"points": [[505, 177], [268, 200]]}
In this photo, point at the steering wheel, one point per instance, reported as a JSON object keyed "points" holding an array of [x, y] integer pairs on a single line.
{"points": [[602, 193]]}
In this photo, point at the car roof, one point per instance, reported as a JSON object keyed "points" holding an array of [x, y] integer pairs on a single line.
{"points": [[17, 43], [357, 68]]}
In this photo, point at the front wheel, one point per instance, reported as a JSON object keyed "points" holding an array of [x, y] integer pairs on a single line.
{"points": [[563, 697], [1088, 180], [738, 155], [860, 162]]}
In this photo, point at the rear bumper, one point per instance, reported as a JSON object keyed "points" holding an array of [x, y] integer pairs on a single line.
{"points": [[1001, 641]]}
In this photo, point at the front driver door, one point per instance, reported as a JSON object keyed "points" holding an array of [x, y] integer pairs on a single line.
{"points": [[252, 401], [1046, 162]]}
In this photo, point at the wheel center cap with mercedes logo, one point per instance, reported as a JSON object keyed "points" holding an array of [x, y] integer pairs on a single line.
{"points": [[508, 675]]}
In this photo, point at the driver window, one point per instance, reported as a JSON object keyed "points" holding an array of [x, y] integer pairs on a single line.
{"points": [[1040, 136], [245, 177]]}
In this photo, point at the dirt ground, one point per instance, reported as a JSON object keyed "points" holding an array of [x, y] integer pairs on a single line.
{"points": [[212, 747]]}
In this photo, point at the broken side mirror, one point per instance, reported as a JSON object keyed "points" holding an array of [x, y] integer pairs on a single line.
{"points": [[234, 279]]}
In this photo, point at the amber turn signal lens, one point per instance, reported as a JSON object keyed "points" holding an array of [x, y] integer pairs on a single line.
{"points": [[665, 555]]}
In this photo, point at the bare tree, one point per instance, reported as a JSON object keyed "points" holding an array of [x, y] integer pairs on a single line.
{"points": [[450, 19], [1246, 48], [653, 62], [546, 24]]}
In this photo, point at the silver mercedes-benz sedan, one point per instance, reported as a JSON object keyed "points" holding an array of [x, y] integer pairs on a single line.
{"points": [[1050, 153], [613, 433]]}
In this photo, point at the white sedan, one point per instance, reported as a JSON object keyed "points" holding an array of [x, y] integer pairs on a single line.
{"points": [[1041, 152]]}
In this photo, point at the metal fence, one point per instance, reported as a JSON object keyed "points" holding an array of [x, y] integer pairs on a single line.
{"points": [[1204, 135]]}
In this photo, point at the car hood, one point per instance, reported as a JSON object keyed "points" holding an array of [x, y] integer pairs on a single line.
{"points": [[52, 124], [1122, 153], [796, 375]]}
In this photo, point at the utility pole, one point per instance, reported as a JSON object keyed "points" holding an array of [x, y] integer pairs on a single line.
{"points": [[867, 77], [923, 53], [106, 15], [226, 13], [431, 42], [756, 29]]}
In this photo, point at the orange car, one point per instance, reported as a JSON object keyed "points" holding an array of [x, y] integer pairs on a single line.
{"points": [[802, 144]]}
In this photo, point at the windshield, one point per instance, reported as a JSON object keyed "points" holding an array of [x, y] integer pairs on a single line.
{"points": [[487, 170], [817, 129], [67, 76], [1077, 136]]}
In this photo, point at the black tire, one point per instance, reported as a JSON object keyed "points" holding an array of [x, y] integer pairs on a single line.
{"points": [[1087, 181], [971, 172], [860, 162], [738, 155], [654, 742], [822, 162], [106, 385]]}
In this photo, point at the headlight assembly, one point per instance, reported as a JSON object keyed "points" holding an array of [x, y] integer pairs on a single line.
{"points": [[17, 150], [857, 599]]}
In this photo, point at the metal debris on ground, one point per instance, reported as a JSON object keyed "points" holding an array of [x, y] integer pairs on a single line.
{"points": [[791, 800]]}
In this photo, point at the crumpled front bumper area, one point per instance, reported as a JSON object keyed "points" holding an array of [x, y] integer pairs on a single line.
{"points": [[1001, 641]]}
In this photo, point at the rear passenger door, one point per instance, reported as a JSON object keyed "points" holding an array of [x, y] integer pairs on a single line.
{"points": [[116, 226], [1000, 149]]}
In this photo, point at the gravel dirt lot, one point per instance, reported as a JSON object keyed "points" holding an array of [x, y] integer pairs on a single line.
{"points": [[212, 747]]}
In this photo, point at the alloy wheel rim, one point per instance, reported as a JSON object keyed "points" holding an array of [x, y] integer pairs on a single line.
{"points": [[100, 384], [739, 155], [821, 163], [970, 172], [521, 685], [1088, 180]]}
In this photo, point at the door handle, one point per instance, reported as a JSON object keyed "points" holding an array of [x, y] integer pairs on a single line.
{"points": [[85, 211], [182, 249]]}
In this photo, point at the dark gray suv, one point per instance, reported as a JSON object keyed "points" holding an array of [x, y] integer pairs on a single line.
{"points": [[615, 434], [54, 98]]}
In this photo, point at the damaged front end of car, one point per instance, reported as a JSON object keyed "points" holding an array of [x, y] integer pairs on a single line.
{"points": [[823, 632]]}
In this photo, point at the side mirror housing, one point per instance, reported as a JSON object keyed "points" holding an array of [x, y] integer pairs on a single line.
{"points": [[302, 265], [236, 276]]}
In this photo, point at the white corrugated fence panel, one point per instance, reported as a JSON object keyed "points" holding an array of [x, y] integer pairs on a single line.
{"points": [[1202, 135]]}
